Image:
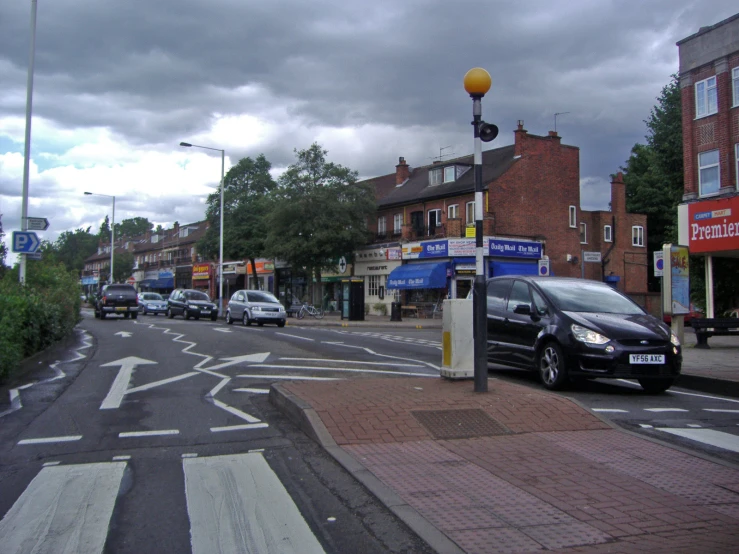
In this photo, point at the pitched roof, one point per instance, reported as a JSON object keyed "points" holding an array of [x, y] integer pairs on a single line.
{"points": [[417, 188]]}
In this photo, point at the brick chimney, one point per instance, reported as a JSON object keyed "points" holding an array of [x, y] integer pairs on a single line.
{"points": [[555, 137], [402, 171], [618, 194], [519, 139]]}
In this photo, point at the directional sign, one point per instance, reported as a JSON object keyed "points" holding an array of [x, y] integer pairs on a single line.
{"points": [[120, 385], [37, 223], [34, 256], [25, 242]]}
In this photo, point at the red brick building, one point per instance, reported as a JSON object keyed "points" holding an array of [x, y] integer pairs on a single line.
{"points": [[708, 217], [531, 203]]}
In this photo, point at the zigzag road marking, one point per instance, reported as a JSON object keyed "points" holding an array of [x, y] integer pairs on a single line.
{"points": [[15, 397]]}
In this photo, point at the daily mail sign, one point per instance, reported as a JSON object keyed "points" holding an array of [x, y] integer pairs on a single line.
{"points": [[466, 247], [711, 226]]}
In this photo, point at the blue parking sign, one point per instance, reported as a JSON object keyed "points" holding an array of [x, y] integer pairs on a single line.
{"points": [[25, 242]]}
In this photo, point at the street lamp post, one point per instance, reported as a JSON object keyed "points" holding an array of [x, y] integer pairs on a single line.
{"points": [[112, 232], [477, 82], [220, 248]]}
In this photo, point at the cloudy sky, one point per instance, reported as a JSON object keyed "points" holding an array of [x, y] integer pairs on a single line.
{"points": [[119, 83]]}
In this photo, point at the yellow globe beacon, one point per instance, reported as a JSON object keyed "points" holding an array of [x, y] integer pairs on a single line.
{"points": [[477, 81]]}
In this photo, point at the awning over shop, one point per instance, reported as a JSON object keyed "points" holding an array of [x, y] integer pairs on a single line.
{"points": [[146, 283], [163, 283], [510, 267], [418, 276]]}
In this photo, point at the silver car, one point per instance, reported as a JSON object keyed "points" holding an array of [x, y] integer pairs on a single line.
{"points": [[255, 306], [152, 303]]}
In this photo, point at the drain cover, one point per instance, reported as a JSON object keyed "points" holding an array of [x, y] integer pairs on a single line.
{"points": [[459, 424]]}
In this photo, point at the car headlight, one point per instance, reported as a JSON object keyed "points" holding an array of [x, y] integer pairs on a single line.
{"points": [[588, 336], [674, 340], [257, 309]]}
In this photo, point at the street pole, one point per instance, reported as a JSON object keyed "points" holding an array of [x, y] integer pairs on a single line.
{"points": [[27, 148], [112, 243], [477, 82]]}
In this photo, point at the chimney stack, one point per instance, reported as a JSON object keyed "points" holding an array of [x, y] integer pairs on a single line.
{"points": [[402, 171]]}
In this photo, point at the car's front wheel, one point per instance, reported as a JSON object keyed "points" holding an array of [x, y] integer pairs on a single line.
{"points": [[170, 314], [229, 319], [246, 321], [656, 386], [134, 315], [281, 324], [214, 317], [552, 370]]}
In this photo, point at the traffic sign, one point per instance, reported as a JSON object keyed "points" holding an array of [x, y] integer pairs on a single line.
{"points": [[25, 242], [34, 256], [37, 223], [659, 263], [591, 257], [544, 269]]}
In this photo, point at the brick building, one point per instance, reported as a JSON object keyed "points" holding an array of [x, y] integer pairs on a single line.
{"points": [[531, 218], [708, 217]]}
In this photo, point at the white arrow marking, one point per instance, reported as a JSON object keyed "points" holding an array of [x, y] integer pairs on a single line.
{"points": [[162, 382], [124, 334], [258, 358], [221, 330], [122, 380], [253, 391]]}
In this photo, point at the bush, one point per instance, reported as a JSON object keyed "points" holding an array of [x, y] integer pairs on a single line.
{"points": [[380, 308], [35, 315]]}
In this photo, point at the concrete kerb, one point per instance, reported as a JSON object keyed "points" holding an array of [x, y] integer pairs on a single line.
{"points": [[306, 418]]}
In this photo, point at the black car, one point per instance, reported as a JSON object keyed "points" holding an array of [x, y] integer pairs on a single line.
{"points": [[117, 299], [191, 303], [575, 328]]}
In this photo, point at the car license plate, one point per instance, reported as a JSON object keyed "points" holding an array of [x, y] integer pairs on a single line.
{"points": [[204, 312], [121, 309], [647, 358]]}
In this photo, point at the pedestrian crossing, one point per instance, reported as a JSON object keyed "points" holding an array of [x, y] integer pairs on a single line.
{"points": [[235, 504]]}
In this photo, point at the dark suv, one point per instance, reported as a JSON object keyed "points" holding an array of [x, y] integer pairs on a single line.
{"points": [[117, 299], [191, 303]]}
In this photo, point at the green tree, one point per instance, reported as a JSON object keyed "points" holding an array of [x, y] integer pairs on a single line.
{"points": [[72, 248], [3, 249], [133, 227], [319, 213], [104, 232], [122, 266], [246, 202]]}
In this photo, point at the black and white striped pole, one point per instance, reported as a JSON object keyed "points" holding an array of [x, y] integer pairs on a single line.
{"points": [[477, 82]]}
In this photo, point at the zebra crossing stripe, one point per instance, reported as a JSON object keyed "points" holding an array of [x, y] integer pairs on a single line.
{"points": [[64, 509], [236, 503]]}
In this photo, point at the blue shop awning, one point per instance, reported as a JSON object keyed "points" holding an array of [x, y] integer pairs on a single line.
{"points": [[513, 267], [163, 283], [146, 283], [418, 276]]}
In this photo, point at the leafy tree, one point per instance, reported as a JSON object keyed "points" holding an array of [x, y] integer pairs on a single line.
{"points": [[72, 248], [133, 227], [319, 213], [3, 248], [104, 233], [246, 201], [122, 266], [159, 230]]}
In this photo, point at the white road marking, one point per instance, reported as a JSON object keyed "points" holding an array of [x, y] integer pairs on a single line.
{"points": [[124, 334], [721, 411], [121, 458], [704, 396], [694, 425], [122, 380], [370, 351], [237, 413], [290, 378], [64, 509], [215, 390], [719, 439], [239, 427], [190, 455], [253, 391], [51, 464], [645, 426], [344, 369], [222, 330], [610, 410], [162, 382], [324, 360], [295, 337], [236, 503], [46, 440], [241, 359], [148, 433], [665, 410]]}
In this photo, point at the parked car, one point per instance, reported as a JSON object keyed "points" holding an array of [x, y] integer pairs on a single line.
{"points": [[117, 299], [152, 303], [191, 303], [575, 328], [256, 306]]}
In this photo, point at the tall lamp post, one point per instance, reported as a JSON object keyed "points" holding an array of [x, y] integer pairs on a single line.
{"points": [[112, 232], [220, 252], [477, 82]]}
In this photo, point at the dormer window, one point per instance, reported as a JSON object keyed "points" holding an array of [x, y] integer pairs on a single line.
{"points": [[449, 174], [154, 239], [435, 176]]}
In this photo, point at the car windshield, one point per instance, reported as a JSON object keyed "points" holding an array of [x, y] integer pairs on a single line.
{"points": [[257, 296], [588, 297], [193, 295], [151, 296]]}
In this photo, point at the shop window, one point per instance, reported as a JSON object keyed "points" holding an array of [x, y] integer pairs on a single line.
{"points": [[373, 285]]}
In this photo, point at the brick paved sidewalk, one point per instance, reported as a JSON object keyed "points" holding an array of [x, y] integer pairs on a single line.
{"points": [[515, 469]]}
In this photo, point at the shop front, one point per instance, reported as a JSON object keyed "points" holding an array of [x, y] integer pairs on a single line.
{"points": [[265, 275], [202, 277], [375, 266], [291, 286], [331, 285]]}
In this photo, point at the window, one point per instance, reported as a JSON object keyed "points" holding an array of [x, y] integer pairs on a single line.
{"points": [[519, 295], [573, 217], [449, 174], [708, 172], [497, 291], [637, 235], [397, 224], [470, 211], [434, 221], [373, 285], [435, 176], [381, 226], [735, 85], [583, 233], [607, 234], [706, 99], [452, 211]]}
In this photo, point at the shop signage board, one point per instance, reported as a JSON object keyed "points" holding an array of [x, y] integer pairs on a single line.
{"points": [[201, 271], [713, 225], [676, 280], [515, 248]]}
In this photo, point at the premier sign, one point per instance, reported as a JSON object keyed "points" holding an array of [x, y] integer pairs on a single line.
{"points": [[713, 225]]}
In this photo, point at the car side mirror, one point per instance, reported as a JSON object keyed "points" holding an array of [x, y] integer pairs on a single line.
{"points": [[523, 309]]}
